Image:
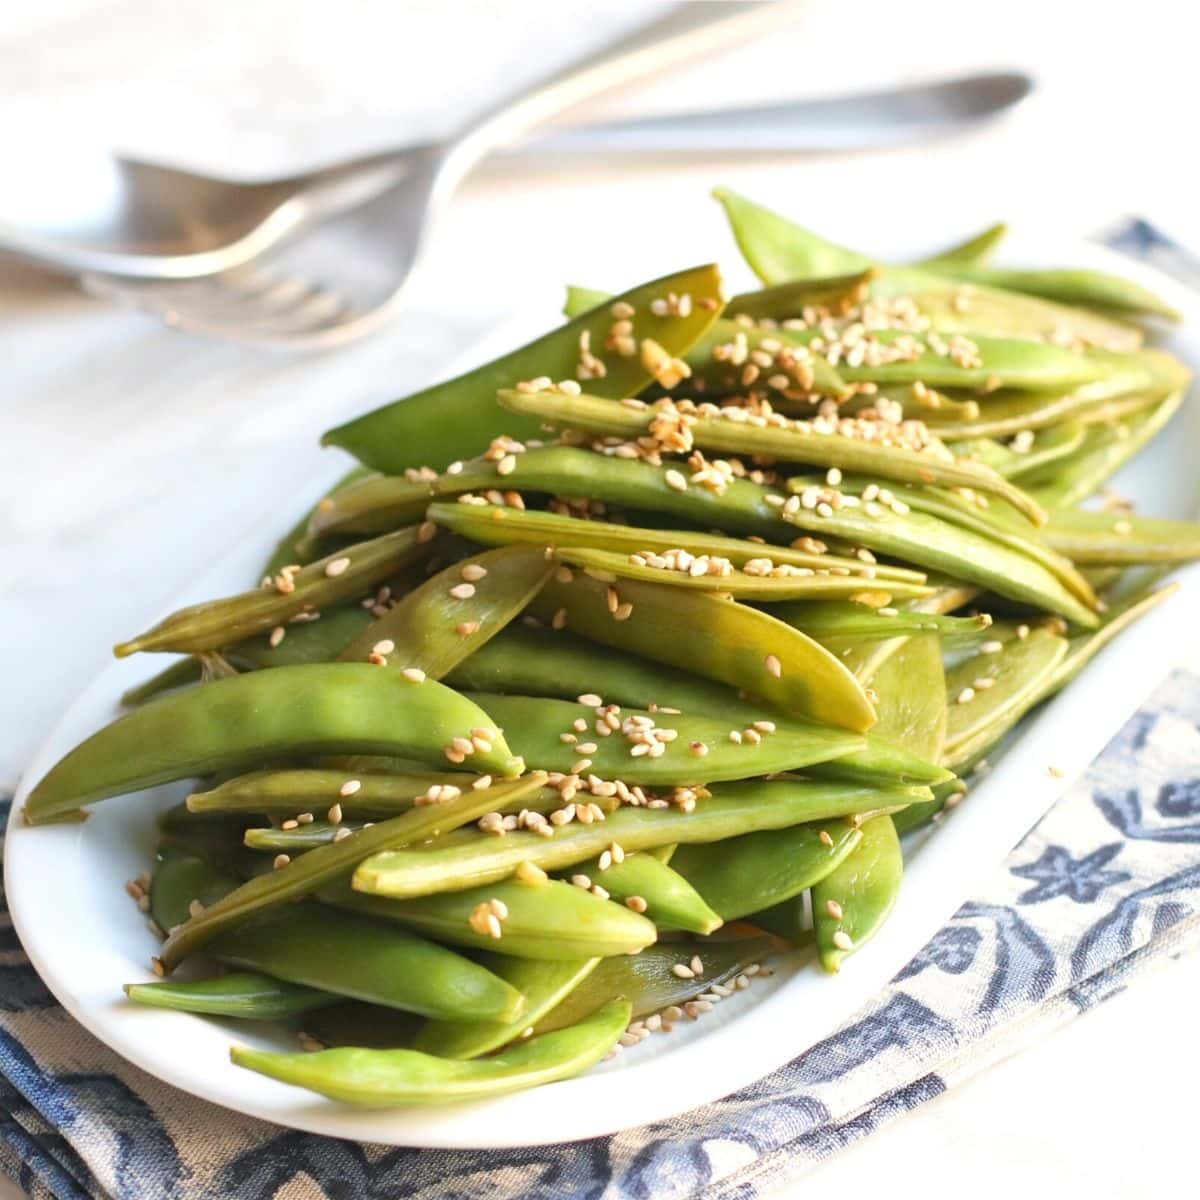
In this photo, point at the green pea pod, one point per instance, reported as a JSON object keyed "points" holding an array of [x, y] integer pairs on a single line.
{"points": [[833, 623], [917, 815], [912, 697], [546, 920], [295, 545], [791, 299], [700, 749], [670, 901], [952, 549], [1107, 538], [1016, 672], [388, 1078], [649, 980], [367, 1026], [242, 721], [729, 812], [1082, 648], [181, 879], [778, 250], [294, 790], [273, 840], [237, 994], [344, 574], [355, 956], [324, 865], [853, 901], [543, 984], [742, 875], [765, 588], [493, 525], [798, 443], [451, 615], [1105, 449], [975, 250], [994, 523], [720, 639], [1047, 447], [458, 418], [1077, 286]]}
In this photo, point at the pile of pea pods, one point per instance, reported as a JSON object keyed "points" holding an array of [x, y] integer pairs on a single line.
{"points": [[626, 660]]}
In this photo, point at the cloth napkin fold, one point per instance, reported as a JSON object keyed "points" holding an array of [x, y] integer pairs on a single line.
{"points": [[1105, 887]]}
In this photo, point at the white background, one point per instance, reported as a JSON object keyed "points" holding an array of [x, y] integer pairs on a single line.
{"points": [[129, 457]]}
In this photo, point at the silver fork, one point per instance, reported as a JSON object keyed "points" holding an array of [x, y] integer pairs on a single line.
{"points": [[290, 299]]}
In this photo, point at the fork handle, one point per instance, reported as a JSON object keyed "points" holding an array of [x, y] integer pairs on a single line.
{"points": [[687, 31]]}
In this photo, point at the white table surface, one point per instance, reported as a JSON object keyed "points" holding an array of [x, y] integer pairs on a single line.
{"points": [[130, 456]]}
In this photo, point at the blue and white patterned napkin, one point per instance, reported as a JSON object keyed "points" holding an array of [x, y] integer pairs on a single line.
{"points": [[1107, 885]]}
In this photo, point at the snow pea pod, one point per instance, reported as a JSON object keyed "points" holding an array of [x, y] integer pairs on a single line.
{"points": [[695, 749], [293, 790], [1082, 648], [853, 900], [764, 588], [911, 684], [545, 920], [454, 613], [1105, 449], [649, 982], [1045, 449], [324, 865], [342, 575], [730, 811], [387, 1078], [835, 622], [180, 880], [241, 994], [994, 523], [352, 955], [952, 549], [744, 874], [669, 900], [492, 524], [1107, 538], [242, 721], [1016, 672], [720, 639], [459, 418], [797, 442], [542, 662], [543, 984], [835, 292], [778, 250], [976, 249], [1075, 285]]}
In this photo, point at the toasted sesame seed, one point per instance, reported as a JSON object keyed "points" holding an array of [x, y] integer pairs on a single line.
{"points": [[336, 567], [334, 815], [992, 647], [696, 965], [774, 666], [426, 532], [350, 787], [637, 903], [413, 674], [824, 838], [1022, 632], [590, 699], [599, 892], [482, 783], [965, 696], [834, 909], [462, 591], [342, 833], [842, 940], [559, 620], [683, 971], [281, 861], [466, 628], [195, 908], [473, 572], [277, 636], [675, 480], [290, 824], [699, 749], [156, 965]]}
